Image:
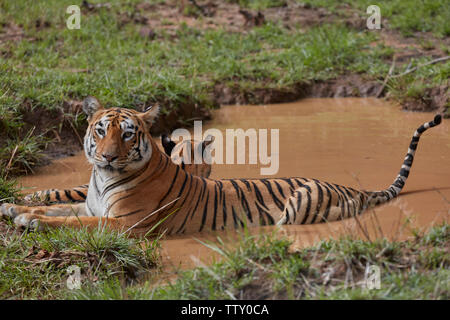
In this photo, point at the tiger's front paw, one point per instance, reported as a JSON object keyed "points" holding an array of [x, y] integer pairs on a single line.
{"points": [[29, 221], [9, 210]]}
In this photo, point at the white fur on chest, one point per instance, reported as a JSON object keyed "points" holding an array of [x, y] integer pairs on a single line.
{"points": [[98, 198], [95, 205]]}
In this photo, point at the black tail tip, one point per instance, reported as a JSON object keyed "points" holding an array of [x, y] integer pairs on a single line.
{"points": [[437, 119]]}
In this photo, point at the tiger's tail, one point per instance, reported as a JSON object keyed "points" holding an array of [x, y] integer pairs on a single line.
{"points": [[378, 197]]}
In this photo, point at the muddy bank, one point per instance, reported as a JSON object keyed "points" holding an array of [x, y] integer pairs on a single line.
{"points": [[341, 87], [65, 127]]}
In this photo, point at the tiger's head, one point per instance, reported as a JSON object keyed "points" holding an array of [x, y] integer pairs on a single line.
{"points": [[192, 147], [117, 139]]}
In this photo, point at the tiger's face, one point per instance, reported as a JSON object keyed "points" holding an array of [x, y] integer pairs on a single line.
{"points": [[117, 140]]}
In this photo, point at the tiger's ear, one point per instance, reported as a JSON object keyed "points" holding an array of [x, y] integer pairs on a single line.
{"points": [[149, 115], [167, 144], [206, 142], [90, 106]]}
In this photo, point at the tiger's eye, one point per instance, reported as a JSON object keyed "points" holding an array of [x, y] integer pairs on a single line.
{"points": [[101, 132], [127, 135]]}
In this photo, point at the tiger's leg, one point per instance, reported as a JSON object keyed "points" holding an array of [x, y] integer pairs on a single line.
{"points": [[76, 194], [13, 210], [39, 222]]}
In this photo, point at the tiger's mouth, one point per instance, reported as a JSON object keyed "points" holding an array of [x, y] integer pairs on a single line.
{"points": [[110, 166]]}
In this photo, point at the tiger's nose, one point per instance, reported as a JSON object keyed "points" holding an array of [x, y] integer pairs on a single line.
{"points": [[109, 158]]}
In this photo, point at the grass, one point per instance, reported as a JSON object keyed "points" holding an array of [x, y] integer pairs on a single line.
{"points": [[9, 191], [35, 265], [50, 65], [264, 267], [259, 4], [407, 16]]}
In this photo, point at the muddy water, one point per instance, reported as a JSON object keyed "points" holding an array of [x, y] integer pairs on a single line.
{"points": [[354, 142]]}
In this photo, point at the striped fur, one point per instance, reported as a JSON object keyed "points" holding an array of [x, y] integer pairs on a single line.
{"points": [[134, 186], [78, 194], [203, 169]]}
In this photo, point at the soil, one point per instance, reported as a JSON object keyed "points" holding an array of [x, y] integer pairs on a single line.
{"points": [[57, 125]]}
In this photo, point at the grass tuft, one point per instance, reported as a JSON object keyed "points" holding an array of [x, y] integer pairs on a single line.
{"points": [[35, 265]]}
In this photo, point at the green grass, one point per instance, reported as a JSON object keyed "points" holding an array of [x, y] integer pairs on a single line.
{"points": [[108, 58], [35, 265], [259, 4], [263, 267], [9, 191], [124, 69], [407, 16]]}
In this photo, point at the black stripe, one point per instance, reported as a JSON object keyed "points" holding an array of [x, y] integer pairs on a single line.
{"points": [[344, 196], [47, 195], [259, 197], [327, 210], [319, 201], [187, 176], [213, 226], [246, 207], [123, 181], [277, 201], [288, 181], [261, 214], [171, 186], [308, 207], [128, 214], [300, 184], [202, 191], [299, 204], [350, 201], [186, 197], [280, 189], [224, 211], [247, 184], [68, 195], [81, 194], [236, 188], [204, 188], [205, 211], [340, 198], [236, 218], [270, 218], [421, 129]]}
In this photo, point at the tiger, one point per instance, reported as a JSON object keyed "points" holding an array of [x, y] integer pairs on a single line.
{"points": [[137, 189], [192, 147], [79, 193]]}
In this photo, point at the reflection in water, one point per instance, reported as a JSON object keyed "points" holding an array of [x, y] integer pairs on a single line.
{"points": [[355, 142]]}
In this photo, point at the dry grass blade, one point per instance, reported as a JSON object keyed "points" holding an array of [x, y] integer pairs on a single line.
{"points": [[149, 215], [420, 66], [8, 166], [391, 70]]}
